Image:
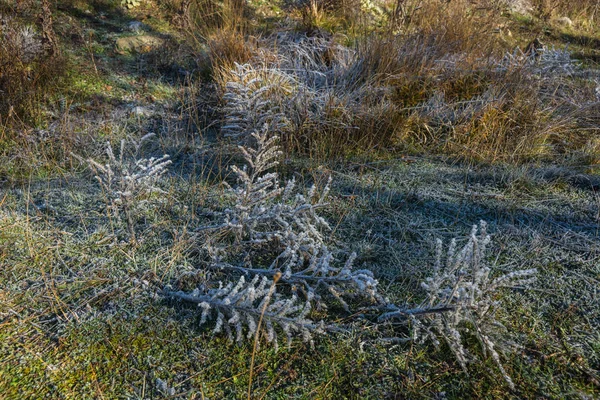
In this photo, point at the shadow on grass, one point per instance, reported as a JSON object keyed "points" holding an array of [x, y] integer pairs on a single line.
{"points": [[459, 198], [590, 46]]}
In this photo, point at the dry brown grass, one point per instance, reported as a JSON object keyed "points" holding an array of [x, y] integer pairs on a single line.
{"points": [[583, 12], [206, 16], [428, 77], [226, 47], [29, 73]]}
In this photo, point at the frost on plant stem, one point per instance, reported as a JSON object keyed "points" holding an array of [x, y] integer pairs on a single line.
{"points": [[265, 213], [321, 277], [461, 300], [129, 183]]}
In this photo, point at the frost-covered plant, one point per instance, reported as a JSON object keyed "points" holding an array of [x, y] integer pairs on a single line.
{"points": [[546, 62], [253, 306], [264, 211], [273, 221], [297, 93], [553, 61], [22, 42], [28, 66], [128, 182], [438, 112], [270, 221], [316, 62], [320, 275], [254, 97], [462, 299]]}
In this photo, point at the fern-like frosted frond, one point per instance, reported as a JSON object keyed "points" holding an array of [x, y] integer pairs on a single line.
{"points": [[127, 182], [237, 308], [254, 97], [461, 299]]}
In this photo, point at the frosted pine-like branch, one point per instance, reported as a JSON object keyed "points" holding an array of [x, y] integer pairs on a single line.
{"points": [[461, 295], [253, 97], [320, 277], [266, 213], [236, 308], [272, 220], [127, 183]]}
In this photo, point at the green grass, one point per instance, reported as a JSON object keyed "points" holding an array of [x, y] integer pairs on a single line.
{"points": [[77, 321]]}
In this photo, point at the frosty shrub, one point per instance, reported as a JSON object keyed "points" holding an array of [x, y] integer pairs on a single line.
{"points": [[272, 221], [265, 211], [270, 243], [129, 182], [461, 300], [553, 62], [298, 95]]}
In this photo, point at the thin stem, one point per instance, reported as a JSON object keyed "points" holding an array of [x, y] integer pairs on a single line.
{"points": [[130, 224], [402, 314], [299, 277], [256, 334]]}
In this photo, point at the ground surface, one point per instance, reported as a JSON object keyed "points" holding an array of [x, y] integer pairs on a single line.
{"points": [[79, 317]]}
